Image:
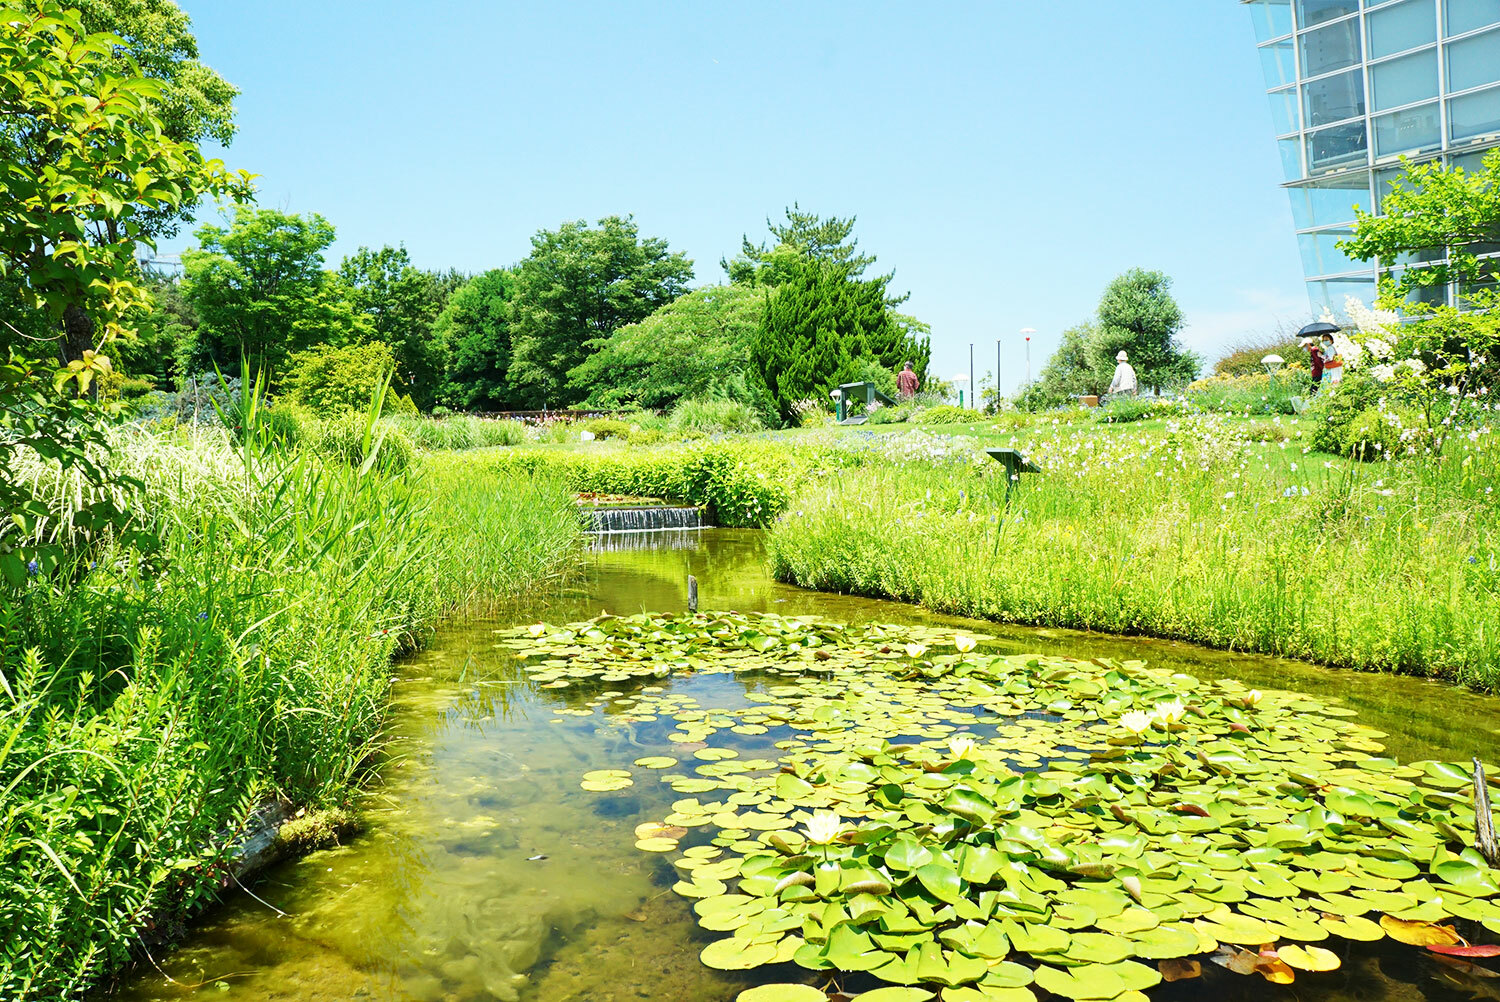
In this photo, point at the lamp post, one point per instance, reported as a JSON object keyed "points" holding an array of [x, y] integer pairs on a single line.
{"points": [[999, 394], [1028, 331], [1272, 363]]}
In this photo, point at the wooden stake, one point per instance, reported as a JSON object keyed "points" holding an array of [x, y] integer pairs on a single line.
{"points": [[692, 594], [1484, 822]]}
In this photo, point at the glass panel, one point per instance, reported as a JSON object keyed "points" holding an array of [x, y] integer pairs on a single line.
{"points": [[1331, 48], [1406, 80], [1467, 15], [1474, 115], [1291, 158], [1404, 26], [1333, 99], [1330, 202], [1278, 62], [1409, 131], [1321, 255], [1284, 111], [1385, 180], [1311, 12], [1340, 146], [1331, 294], [1474, 62], [1273, 18], [1471, 162]]}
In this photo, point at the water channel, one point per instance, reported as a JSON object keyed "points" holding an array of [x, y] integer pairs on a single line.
{"points": [[486, 873]]}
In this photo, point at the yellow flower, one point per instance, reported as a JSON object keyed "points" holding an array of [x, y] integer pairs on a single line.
{"points": [[962, 747], [824, 827], [1170, 713]]}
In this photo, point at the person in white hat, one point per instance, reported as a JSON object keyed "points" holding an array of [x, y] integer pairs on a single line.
{"points": [[1124, 381]]}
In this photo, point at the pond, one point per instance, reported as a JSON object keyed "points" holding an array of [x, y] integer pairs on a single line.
{"points": [[487, 873]]}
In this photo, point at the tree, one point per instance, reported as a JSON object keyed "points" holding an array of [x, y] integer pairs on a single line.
{"points": [[1073, 370], [84, 161], [576, 288], [804, 237], [260, 290], [473, 340], [158, 344], [195, 104], [331, 381], [819, 324], [695, 346], [1449, 214], [1138, 315], [401, 304]]}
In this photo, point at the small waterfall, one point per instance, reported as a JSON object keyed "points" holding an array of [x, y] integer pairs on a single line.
{"points": [[659, 539], [641, 519]]}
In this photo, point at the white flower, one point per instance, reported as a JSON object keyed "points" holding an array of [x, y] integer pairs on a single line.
{"points": [[964, 644], [824, 827], [962, 747], [1170, 713], [1254, 696], [1136, 721], [1415, 365]]}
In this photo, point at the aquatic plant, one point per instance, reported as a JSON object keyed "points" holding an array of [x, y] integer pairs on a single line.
{"points": [[979, 824]]}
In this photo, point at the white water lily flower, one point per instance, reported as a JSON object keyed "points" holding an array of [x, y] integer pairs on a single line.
{"points": [[1170, 713], [1254, 696], [962, 747], [1137, 721], [915, 650], [824, 827], [536, 629], [965, 644]]}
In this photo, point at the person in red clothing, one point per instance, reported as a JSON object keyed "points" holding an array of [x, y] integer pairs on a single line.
{"points": [[906, 382], [1317, 363]]}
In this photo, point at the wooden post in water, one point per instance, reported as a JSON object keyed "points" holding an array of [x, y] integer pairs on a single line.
{"points": [[1484, 822], [692, 594]]}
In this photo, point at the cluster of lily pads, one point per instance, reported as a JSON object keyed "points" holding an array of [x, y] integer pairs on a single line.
{"points": [[985, 826]]}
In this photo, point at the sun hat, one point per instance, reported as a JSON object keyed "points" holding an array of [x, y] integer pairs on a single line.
{"points": [[1121, 357]]}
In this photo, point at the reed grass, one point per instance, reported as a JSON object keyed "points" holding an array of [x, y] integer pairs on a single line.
{"points": [[149, 702], [1198, 534]]}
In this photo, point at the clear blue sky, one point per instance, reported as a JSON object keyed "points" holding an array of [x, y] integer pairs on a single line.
{"points": [[1006, 159]]}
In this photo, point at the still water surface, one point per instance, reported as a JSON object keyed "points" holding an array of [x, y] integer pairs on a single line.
{"points": [[487, 874]]}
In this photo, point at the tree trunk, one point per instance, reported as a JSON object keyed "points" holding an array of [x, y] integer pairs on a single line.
{"points": [[78, 333]]}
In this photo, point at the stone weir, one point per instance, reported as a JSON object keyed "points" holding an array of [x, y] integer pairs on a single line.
{"points": [[642, 519]]}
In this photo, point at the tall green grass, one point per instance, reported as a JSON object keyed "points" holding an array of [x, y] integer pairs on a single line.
{"points": [[149, 702], [1390, 566]]}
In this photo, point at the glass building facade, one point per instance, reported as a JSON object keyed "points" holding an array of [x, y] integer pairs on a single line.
{"points": [[1356, 84]]}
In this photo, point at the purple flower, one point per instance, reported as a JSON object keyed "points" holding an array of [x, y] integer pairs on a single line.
{"points": [[33, 568], [202, 616]]}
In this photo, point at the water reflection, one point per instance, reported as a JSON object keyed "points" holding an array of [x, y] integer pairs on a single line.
{"points": [[487, 873]]}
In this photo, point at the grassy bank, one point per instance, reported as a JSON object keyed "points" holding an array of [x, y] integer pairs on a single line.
{"points": [[1198, 531], [149, 701]]}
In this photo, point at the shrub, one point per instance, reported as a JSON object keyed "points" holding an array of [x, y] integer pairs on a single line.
{"points": [[1036, 397], [286, 423], [1333, 411], [343, 439], [1244, 358], [329, 380], [1122, 410], [1383, 433], [459, 431], [605, 428], [713, 417], [944, 414]]}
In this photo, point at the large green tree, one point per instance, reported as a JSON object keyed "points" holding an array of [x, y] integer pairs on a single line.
{"points": [[473, 338], [195, 104], [85, 164], [1074, 369], [578, 286], [821, 325], [698, 345], [401, 304], [260, 290], [805, 236], [1138, 315], [1445, 216]]}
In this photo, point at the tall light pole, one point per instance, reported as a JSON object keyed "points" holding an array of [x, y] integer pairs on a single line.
{"points": [[1028, 331], [998, 395], [973, 390]]}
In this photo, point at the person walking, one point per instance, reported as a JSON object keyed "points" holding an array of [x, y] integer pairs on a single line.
{"points": [[1315, 357], [907, 383], [1333, 362], [1124, 382]]}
